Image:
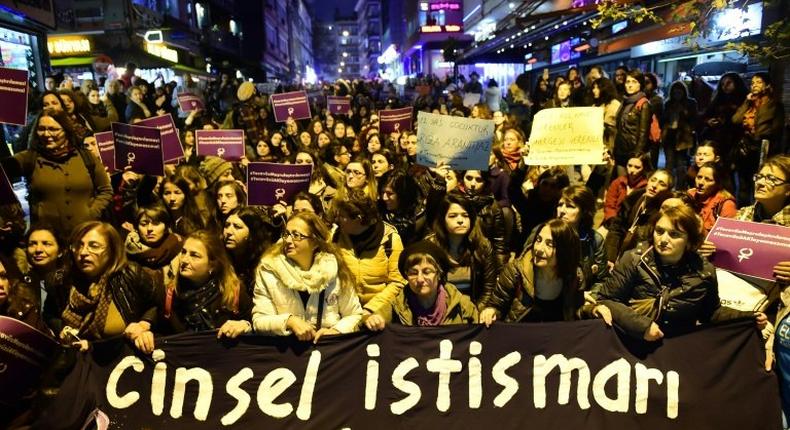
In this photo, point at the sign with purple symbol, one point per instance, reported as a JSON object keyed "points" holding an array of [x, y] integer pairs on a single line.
{"points": [[138, 147], [106, 145], [24, 354], [7, 195], [338, 105], [271, 183], [13, 93], [294, 104], [171, 141], [189, 102], [395, 120], [749, 248], [225, 144]]}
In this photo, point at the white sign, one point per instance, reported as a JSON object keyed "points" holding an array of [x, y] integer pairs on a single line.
{"points": [[462, 143], [566, 136]]}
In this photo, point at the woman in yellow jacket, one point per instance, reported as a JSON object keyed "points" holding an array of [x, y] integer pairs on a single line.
{"points": [[370, 248]]}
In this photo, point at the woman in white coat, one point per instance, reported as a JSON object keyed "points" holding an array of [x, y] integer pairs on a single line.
{"points": [[303, 286]]}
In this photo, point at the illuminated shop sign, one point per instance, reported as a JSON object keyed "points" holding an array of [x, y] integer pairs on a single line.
{"points": [[440, 29], [445, 6], [162, 51], [68, 45]]}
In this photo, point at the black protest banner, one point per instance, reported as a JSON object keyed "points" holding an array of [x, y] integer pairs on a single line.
{"points": [[559, 375]]}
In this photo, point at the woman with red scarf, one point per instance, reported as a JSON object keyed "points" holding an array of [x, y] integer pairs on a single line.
{"points": [[635, 178]]}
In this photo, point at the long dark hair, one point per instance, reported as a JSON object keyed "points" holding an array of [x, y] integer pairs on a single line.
{"points": [[584, 199], [259, 240], [566, 245], [607, 89], [404, 186]]}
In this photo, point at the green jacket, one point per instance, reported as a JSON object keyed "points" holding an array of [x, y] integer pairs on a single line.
{"points": [[460, 309]]}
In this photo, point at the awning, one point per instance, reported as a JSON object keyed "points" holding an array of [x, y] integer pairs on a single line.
{"points": [[71, 61]]}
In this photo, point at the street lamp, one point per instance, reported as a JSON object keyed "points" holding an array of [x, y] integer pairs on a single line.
{"points": [[345, 33], [345, 54]]}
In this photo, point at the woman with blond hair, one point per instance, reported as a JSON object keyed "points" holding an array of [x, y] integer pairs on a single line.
{"points": [[303, 285]]}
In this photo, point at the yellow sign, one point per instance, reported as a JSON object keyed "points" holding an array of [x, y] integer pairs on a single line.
{"points": [[162, 51], [565, 136], [68, 45]]}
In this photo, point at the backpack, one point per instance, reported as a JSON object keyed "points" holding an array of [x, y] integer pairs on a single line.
{"points": [[655, 128]]}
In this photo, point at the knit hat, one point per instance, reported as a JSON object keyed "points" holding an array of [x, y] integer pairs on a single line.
{"points": [[213, 167], [246, 91], [424, 247]]}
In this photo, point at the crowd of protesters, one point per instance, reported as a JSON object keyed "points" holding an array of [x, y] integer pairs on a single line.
{"points": [[378, 239]]}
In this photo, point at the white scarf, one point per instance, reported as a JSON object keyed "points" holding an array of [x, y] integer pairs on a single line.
{"points": [[314, 280]]}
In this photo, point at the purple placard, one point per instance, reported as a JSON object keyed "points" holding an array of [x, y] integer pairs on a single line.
{"points": [[395, 120], [171, 141], [338, 105], [13, 93], [7, 195], [294, 104], [138, 147], [270, 183], [225, 144], [749, 248], [106, 145], [24, 353], [189, 102]]}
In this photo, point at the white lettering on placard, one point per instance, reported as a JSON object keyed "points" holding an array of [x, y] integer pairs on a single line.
{"points": [[399, 381], [111, 390], [205, 391], [444, 366], [510, 384], [542, 367]]}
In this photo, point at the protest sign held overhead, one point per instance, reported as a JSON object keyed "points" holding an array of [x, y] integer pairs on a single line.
{"points": [[566, 136], [106, 145], [749, 248], [13, 96], [395, 120], [171, 141], [294, 105], [338, 105], [461, 143], [580, 374], [271, 183], [225, 144], [139, 148], [189, 102]]}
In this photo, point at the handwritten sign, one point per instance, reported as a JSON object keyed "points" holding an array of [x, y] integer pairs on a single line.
{"points": [[271, 183], [462, 143], [138, 147], [13, 93], [565, 136], [189, 102], [749, 248], [294, 104], [171, 141], [395, 120], [338, 105], [225, 144], [106, 145]]}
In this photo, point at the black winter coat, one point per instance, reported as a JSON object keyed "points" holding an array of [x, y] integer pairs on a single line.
{"points": [[681, 294], [485, 268], [633, 127]]}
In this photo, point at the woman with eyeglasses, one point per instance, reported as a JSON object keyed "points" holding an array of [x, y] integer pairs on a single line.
{"points": [[67, 184], [667, 289], [203, 294], [110, 295], [429, 300], [246, 236], [303, 286], [359, 175], [772, 206], [543, 284]]}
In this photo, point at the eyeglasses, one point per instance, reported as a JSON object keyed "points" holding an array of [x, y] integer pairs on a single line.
{"points": [[50, 130], [352, 172], [94, 248], [426, 273], [769, 180], [295, 236]]}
